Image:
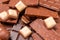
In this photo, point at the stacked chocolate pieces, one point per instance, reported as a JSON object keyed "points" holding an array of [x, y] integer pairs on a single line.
{"points": [[30, 20]]}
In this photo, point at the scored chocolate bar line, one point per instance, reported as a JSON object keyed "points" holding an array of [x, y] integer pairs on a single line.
{"points": [[36, 37], [41, 12], [39, 27]]}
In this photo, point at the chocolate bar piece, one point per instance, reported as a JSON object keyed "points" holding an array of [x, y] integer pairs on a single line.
{"points": [[21, 38], [38, 26], [36, 37], [13, 35], [30, 2], [41, 12], [52, 4], [25, 19]]}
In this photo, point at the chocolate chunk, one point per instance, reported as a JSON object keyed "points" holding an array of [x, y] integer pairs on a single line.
{"points": [[50, 4], [13, 35], [38, 26], [25, 20], [40, 12], [30, 2], [36, 37]]}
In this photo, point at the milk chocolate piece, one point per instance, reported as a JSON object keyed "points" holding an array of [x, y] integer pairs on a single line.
{"points": [[13, 35], [40, 12], [12, 3], [38, 26], [50, 4], [25, 19], [30, 2], [36, 37]]}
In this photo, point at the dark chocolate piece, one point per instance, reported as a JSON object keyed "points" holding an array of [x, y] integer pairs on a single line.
{"points": [[13, 35], [41, 12], [39, 27], [36, 37]]}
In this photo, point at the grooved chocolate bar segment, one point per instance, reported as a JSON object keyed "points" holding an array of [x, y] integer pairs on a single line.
{"points": [[36, 37], [12, 3], [39, 27], [13, 35], [30, 2], [52, 4], [21, 38], [40, 12]]}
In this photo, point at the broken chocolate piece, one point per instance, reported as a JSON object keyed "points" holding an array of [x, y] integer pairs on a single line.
{"points": [[41, 12], [36, 37], [25, 20], [30, 38], [1, 1], [39, 27]]}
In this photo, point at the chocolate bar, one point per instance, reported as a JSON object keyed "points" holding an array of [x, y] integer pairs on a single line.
{"points": [[40, 12], [51, 4], [38, 26], [30, 2], [13, 35], [36, 37]]}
